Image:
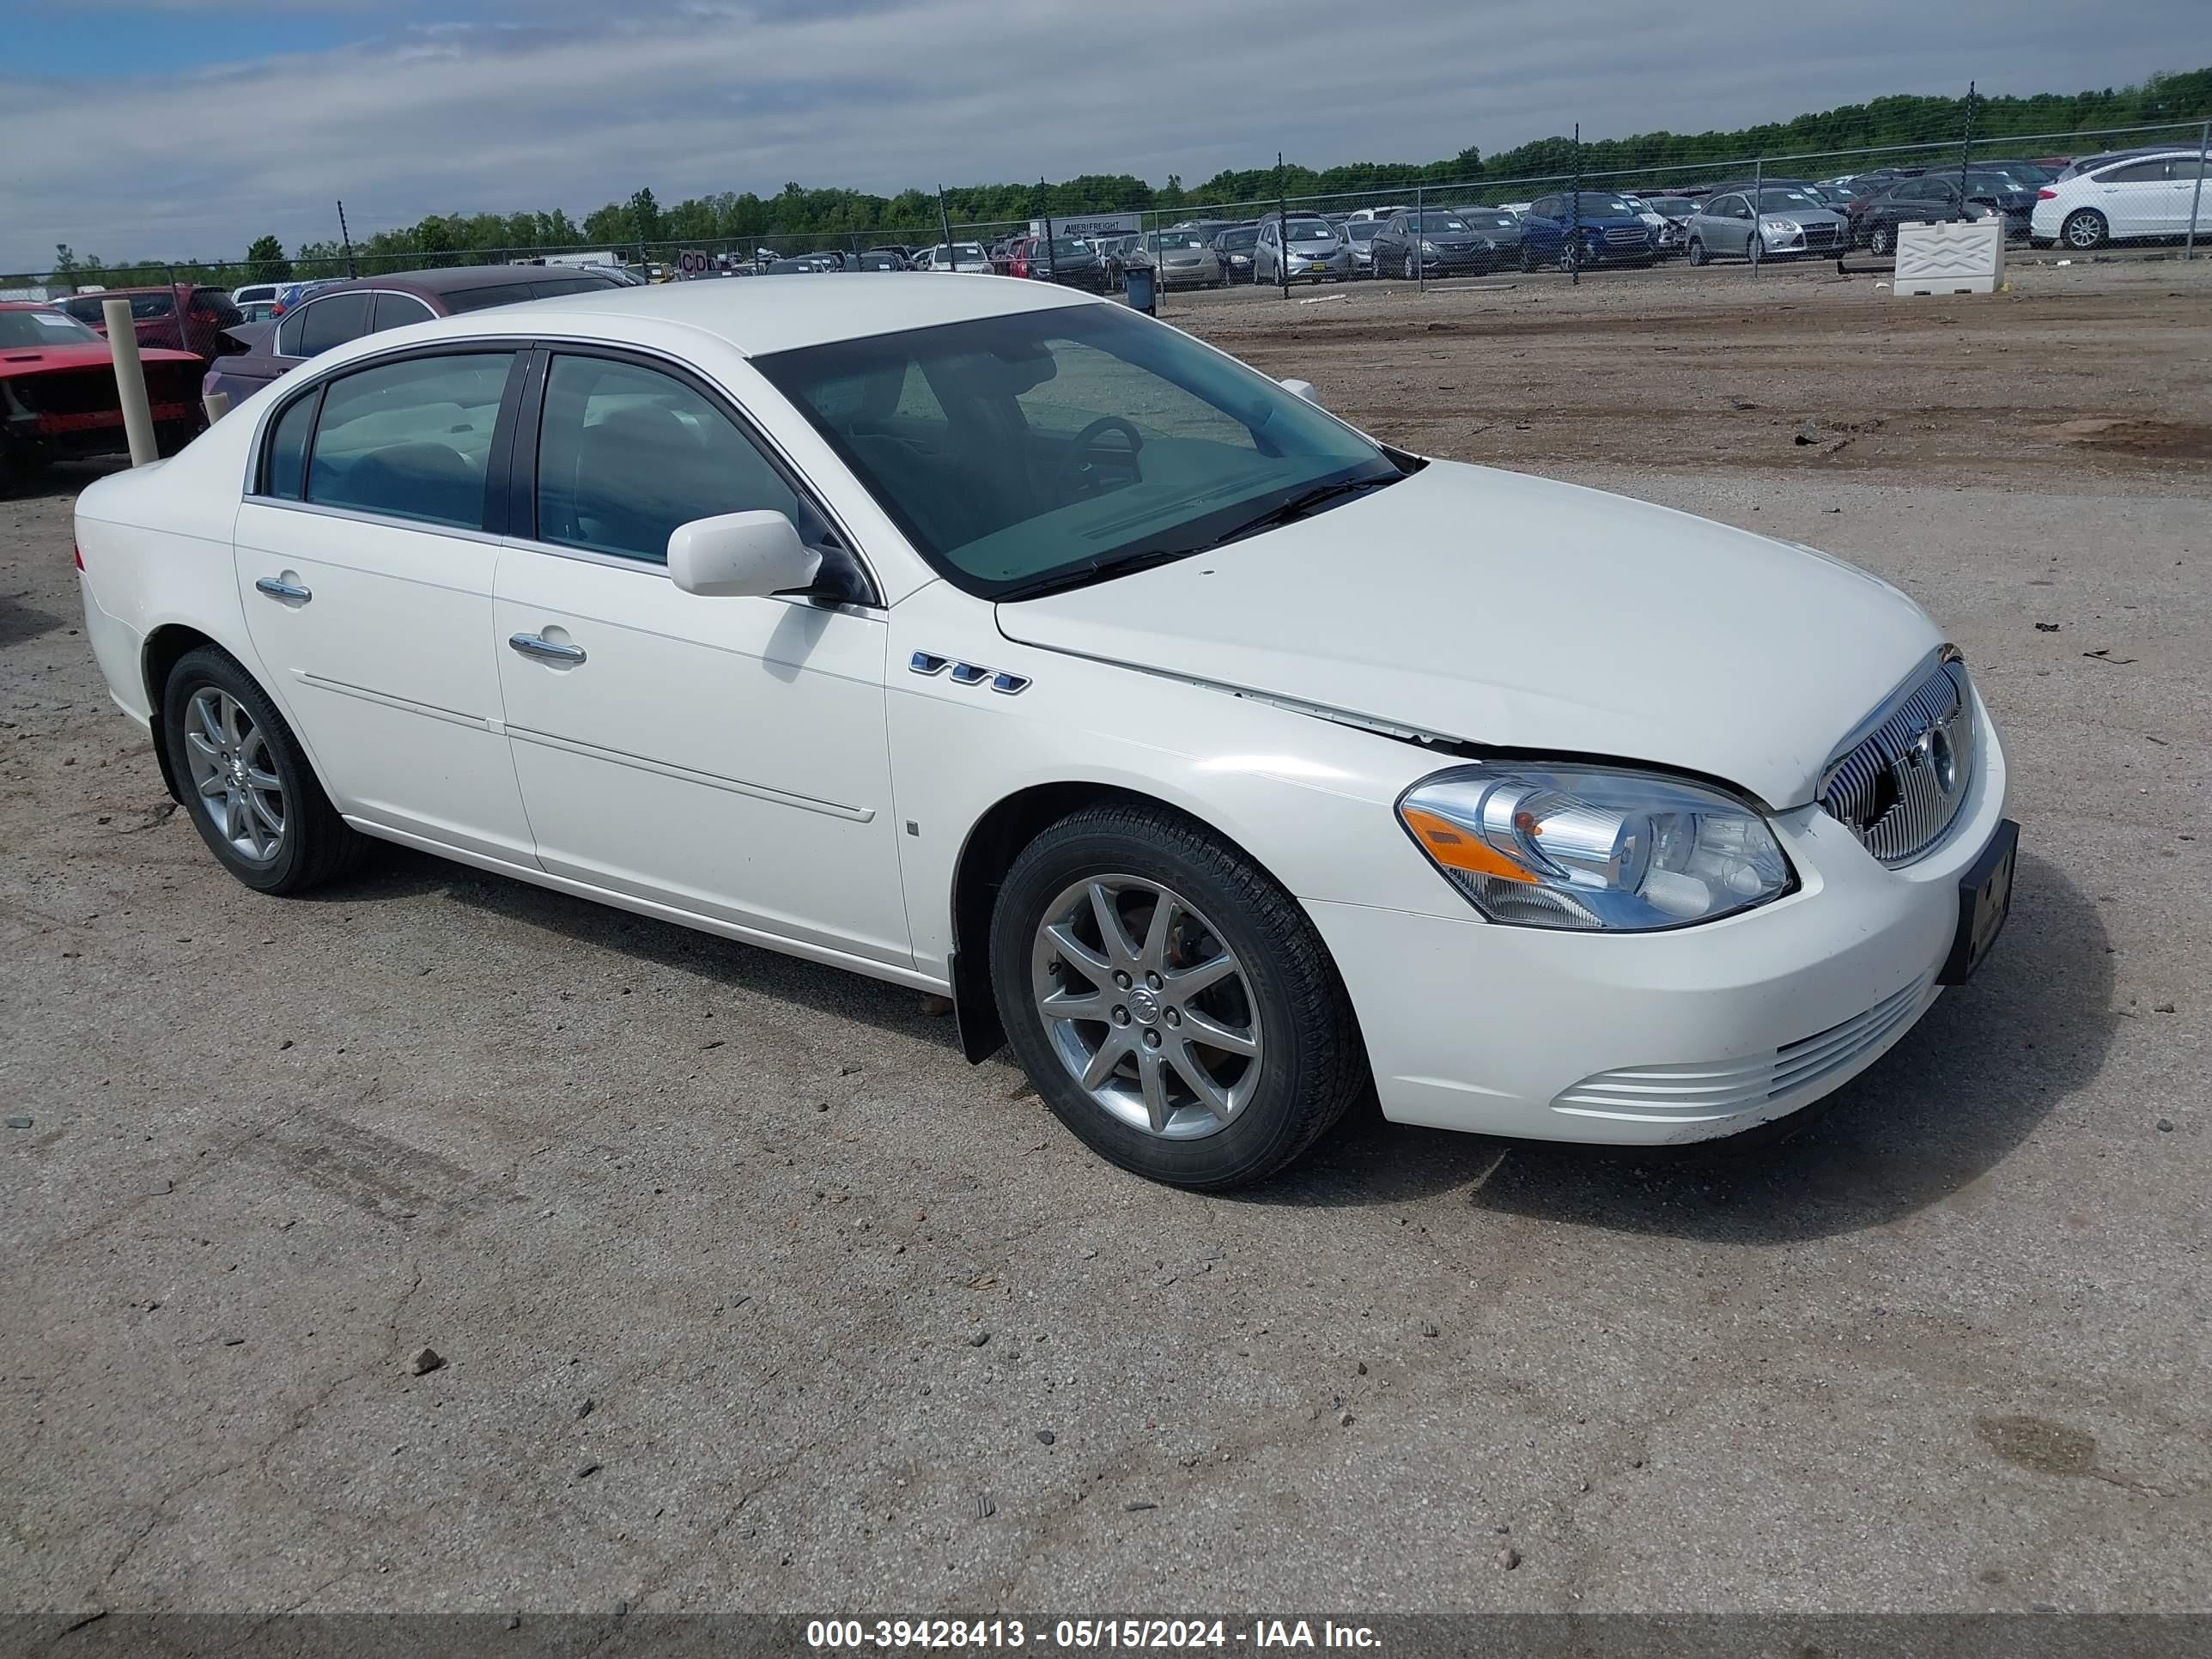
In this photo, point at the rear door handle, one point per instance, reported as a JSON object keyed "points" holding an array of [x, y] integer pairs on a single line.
{"points": [[545, 650], [277, 588]]}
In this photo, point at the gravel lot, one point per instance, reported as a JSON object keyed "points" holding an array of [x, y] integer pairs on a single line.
{"points": [[752, 1295]]}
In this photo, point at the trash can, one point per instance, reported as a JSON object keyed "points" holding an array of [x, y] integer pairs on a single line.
{"points": [[1137, 284]]}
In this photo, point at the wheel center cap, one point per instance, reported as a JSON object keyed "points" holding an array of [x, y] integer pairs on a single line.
{"points": [[1144, 1007]]}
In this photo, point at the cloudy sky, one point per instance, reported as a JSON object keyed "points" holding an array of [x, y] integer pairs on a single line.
{"points": [[138, 128]]}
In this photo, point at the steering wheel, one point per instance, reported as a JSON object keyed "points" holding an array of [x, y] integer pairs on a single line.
{"points": [[1076, 466]]}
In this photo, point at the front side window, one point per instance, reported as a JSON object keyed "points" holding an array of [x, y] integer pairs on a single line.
{"points": [[410, 440], [626, 453], [330, 322], [1053, 441], [398, 310]]}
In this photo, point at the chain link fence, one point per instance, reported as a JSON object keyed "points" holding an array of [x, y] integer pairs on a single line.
{"points": [[1740, 215]]}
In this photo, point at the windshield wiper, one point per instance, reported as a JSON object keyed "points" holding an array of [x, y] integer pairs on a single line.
{"points": [[1304, 502], [1096, 570]]}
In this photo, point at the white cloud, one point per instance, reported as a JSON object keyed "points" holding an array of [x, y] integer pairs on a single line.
{"points": [[567, 107]]}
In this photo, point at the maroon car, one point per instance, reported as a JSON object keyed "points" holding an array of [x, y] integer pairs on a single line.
{"points": [[183, 317], [369, 305], [57, 396]]}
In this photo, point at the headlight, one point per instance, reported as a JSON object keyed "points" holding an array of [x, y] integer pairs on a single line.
{"points": [[1783, 228], [1593, 848], [1428, 247]]}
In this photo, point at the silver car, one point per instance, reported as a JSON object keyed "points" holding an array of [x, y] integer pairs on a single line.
{"points": [[1790, 222], [1307, 249], [1182, 259]]}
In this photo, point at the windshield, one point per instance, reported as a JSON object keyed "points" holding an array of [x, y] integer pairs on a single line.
{"points": [[1014, 447], [1773, 201], [1069, 247], [1244, 238], [43, 328], [1310, 230], [1604, 207], [1362, 230], [1670, 206], [1428, 224], [1160, 238]]}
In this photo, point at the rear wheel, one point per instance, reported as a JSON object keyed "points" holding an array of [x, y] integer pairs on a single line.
{"points": [[245, 780], [1173, 1004], [2085, 228]]}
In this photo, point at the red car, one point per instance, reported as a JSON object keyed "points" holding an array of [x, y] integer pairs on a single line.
{"points": [[184, 317], [57, 396]]}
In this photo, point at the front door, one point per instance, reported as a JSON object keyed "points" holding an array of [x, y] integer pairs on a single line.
{"points": [[365, 567], [727, 755]]}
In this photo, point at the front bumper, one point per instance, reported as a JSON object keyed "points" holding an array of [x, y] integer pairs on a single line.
{"points": [[1664, 1038]]}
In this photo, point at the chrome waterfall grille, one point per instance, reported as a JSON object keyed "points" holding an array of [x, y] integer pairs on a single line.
{"points": [[1901, 779]]}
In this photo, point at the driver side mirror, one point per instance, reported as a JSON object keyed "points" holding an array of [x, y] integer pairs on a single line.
{"points": [[740, 555], [1303, 389]]}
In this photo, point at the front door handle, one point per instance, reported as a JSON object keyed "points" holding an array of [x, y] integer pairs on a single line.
{"points": [[277, 588], [545, 650]]}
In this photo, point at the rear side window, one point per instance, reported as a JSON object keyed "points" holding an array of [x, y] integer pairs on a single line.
{"points": [[152, 304], [2135, 172], [410, 440], [287, 477], [332, 321]]}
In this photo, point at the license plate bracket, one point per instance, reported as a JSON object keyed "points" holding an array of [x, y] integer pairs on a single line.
{"points": [[1985, 901]]}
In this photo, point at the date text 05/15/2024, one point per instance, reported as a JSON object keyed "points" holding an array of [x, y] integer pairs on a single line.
{"points": [[1086, 1634]]}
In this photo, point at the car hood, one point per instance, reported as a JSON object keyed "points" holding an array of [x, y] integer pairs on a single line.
{"points": [[1512, 612], [85, 353]]}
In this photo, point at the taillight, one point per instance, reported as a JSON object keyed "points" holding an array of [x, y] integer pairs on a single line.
{"points": [[2046, 196], [77, 553]]}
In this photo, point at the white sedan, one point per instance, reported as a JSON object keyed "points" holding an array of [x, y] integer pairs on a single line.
{"points": [[1002, 642]]}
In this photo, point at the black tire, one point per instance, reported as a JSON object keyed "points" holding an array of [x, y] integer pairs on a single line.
{"points": [[317, 844], [1313, 1065], [1527, 259], [2085, 228]]}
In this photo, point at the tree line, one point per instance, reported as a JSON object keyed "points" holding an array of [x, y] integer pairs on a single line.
{"points": [[797, 215]]}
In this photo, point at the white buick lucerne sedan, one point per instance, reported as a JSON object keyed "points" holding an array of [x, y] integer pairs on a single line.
{"points": [[1004, 643]]}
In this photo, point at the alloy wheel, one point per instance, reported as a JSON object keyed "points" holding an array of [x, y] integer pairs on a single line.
{"points": [[234, 779], [2084, 230], [1147, 1007]]}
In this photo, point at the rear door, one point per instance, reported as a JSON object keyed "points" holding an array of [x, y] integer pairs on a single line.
{"points": [[2132, 197], [365, 560]]}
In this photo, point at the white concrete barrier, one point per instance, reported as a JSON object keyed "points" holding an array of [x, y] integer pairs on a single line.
{"points": [[1964, 257]]}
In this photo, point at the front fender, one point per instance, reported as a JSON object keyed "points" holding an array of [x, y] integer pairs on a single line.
{"points": [[1309, 800]]}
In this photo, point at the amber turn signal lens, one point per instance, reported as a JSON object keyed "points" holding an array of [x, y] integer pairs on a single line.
{"points": [[1449, 844]]}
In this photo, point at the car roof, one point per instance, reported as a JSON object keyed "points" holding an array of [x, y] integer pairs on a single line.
{"points": [[764, 314], [32, 305]]}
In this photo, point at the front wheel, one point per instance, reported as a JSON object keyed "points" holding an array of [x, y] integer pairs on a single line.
{"points": [[1172, 1003], [245, 780], [1881, 240], [1697, 251], [1568, 258]]}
